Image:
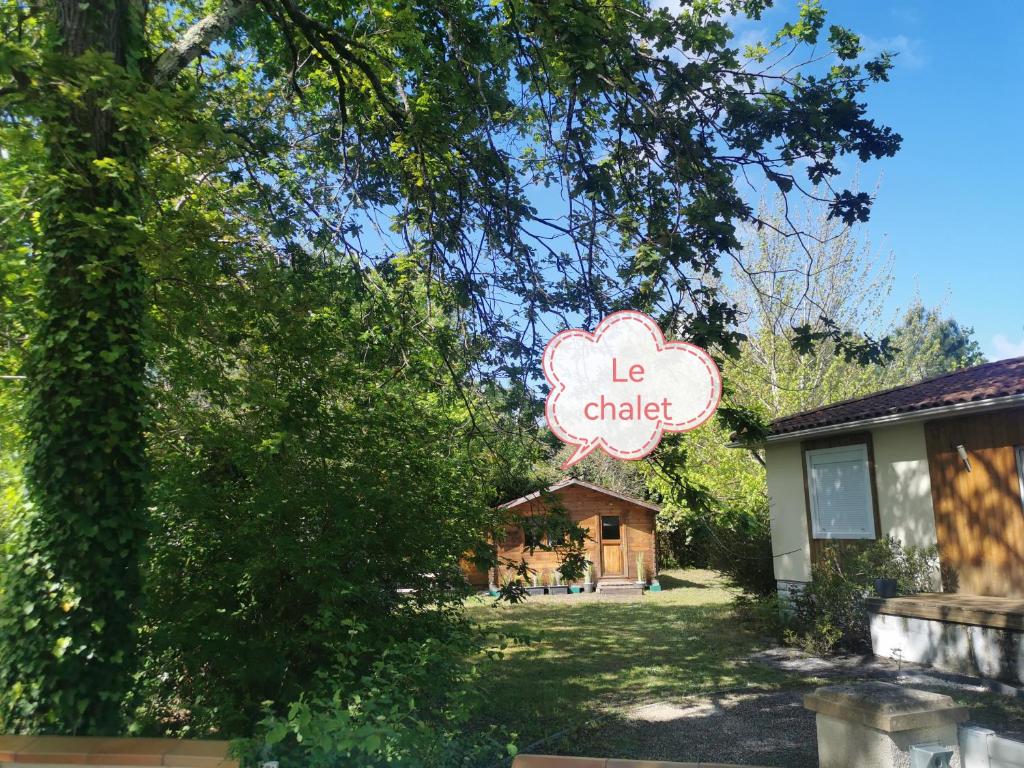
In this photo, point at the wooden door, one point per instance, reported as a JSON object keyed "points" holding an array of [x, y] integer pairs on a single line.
{"points": [[979, 514], [611, 546]]}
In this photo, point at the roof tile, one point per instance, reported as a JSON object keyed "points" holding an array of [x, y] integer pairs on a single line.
{"points": [[982, 382]]}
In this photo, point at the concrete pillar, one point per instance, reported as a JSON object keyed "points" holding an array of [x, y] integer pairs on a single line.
{"points": [[974, 746], [873, 725]]}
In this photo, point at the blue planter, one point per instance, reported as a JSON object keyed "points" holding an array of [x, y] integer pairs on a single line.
{"points": [[575, 590], [885, 587]]}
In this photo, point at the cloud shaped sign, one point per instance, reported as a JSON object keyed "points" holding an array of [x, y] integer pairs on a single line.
{"points": [[623, 386]]}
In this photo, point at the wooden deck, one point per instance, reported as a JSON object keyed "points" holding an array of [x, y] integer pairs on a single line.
{"points": [[976, 610]]}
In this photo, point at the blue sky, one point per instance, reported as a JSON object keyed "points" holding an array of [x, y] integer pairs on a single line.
{"points": [[949, 201]]}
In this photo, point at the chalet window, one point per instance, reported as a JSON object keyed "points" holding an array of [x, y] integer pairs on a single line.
{"points": [[839, 490], [531, 537], [535, 536], [610, 527]]}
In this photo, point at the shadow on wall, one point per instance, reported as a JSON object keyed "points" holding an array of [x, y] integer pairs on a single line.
{"points": [[965, 649], [905, 503], [979, 514]]}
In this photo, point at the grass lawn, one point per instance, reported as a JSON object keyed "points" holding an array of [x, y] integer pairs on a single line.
{"points": [[591, 658]]}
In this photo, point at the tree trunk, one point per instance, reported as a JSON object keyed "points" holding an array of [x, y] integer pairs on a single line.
{"points": [[74, 591]]}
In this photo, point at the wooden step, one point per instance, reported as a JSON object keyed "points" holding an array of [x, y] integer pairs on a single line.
{"points": [[619, 587]]}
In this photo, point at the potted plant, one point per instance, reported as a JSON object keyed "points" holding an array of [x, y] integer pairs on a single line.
{"points": [[641, 568], [536, 588], [575, 588], [886, 587], [588, 579], [557, 587]]}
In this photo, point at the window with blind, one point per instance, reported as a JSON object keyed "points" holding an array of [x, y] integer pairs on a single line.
{"points": [[839, 488], [1020, 470]]}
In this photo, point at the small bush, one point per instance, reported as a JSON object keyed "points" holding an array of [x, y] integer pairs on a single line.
{"points": [[682, 546], [764, 615], [411, 706], [740, 548], [830, 613]]}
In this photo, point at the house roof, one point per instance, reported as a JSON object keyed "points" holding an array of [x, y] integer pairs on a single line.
{"points": [[980, 384], [583, 484]]}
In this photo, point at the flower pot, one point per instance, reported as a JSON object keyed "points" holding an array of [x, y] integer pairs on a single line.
{"points": [[588, 586], [575, 589], [885, 587], [535, 590], [655, 586], [559, 589]]}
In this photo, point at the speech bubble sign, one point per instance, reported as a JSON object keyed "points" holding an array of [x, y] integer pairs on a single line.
{"points": [[623, 386]]}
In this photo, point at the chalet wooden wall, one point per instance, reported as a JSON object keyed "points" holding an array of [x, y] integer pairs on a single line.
{"points": [[586, 507], [474, 575], [979, 516]]}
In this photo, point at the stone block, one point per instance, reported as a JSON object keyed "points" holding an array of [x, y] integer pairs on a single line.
{"points": [[873, 725]]}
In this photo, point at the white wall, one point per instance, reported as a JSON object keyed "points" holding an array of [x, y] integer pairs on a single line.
{"points": [[790, 546], [904, 485], [904, 496]]}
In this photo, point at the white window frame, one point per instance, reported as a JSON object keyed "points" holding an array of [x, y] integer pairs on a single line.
{"points": [[816, 530], [1019, 451]]}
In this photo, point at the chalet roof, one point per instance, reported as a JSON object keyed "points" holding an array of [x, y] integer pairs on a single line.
{"points": [[986, 383], [583, 484]]}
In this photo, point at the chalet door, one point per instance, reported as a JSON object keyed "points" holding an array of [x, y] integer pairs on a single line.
{"points": [[979, 512], [611, 546]]}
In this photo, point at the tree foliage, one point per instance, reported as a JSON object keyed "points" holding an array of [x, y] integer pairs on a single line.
{"points": [[313, 461], [716, 510], [173, 142]]}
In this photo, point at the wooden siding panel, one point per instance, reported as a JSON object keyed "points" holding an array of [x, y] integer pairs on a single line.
{"points": [[979, 517]]}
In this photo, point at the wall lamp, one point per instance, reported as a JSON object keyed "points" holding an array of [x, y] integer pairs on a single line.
{"points": [[962, 453]]}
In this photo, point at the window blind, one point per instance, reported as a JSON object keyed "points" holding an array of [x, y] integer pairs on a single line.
{"points": [[840, 493], [1020, 470]]}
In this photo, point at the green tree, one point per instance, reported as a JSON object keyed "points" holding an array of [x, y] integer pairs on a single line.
{"points": [[313, 460], [716, 509], [928, 344], [411, 136]]}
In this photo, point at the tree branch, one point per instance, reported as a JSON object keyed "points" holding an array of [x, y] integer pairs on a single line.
{"points": [[197, 39]]}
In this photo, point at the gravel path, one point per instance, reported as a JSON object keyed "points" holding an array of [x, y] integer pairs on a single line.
{"points": [[757, 727], [749, 728]]}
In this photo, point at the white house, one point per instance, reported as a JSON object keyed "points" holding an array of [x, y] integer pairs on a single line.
{"points": [[939, 462]]}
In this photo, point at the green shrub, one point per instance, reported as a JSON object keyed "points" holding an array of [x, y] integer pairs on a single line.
{"points": [[740, 548], [764, 615], [411, 707], [313, 464], [830, 613]]}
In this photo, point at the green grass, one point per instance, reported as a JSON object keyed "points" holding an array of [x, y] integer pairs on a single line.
{"points": [[587, 659]]}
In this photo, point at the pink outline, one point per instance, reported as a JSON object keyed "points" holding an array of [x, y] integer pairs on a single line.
{"points": [[586, 446]]}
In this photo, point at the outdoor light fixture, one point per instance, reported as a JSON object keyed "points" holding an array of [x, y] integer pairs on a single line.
{"points": [[962, 452]]}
